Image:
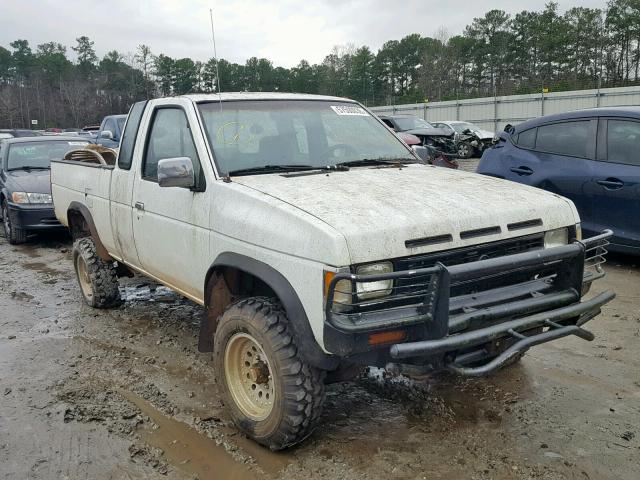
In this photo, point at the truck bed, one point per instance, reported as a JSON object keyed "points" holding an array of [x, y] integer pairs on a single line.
{"points": [[87, 184]]}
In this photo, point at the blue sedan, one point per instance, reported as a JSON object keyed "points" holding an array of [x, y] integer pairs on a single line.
{"points": [[590, 156]]}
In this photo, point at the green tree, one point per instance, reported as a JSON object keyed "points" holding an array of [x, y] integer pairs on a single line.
{"points": [[87, 57]]}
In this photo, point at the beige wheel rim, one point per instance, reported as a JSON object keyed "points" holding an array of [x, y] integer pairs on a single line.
{"points": [[83, 277], [249, 376]]}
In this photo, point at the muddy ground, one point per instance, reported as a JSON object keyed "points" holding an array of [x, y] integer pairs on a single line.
{"points": [[124, 394]]}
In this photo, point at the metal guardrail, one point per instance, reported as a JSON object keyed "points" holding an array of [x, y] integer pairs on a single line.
{"points": [[501, 110]]}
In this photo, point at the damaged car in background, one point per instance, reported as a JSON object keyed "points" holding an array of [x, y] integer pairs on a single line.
{"points": [[316, 240], [429, 155], [438, 141], [471, 140]]}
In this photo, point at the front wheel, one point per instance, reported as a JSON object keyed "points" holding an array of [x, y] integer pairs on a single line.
{"points": [[465, 150], [273, 396], [13, 234]]}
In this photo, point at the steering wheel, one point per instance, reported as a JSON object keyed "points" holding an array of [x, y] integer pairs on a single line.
{"points": [[346, 149]]}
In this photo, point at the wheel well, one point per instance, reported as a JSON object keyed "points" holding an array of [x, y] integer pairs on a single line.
{"points": [[81, 225], [78, 226], [224, 285], [234, 276]]}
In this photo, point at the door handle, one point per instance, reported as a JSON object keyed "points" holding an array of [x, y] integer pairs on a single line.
{"points": [[611, 183], [139, 206], [522, 170]]}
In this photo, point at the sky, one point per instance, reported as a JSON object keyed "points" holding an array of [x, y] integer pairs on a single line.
{"points": [[283, 31]]}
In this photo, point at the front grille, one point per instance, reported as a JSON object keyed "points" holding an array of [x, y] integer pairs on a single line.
{"points": [[470, 254]]}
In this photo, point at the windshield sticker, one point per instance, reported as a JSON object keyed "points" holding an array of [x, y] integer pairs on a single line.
{"points": [[78, 144], [349, 110]]}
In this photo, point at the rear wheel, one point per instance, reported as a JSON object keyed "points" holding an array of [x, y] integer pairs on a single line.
{"points": [[273, 396], [97, 279], [13, 234]]}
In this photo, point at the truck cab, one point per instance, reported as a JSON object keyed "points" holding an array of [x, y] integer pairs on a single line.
{"points": [[110, 131], [315, 240]]}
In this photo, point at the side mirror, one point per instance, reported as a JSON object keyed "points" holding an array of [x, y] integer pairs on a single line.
{"points": [[106, 134], [176, 172], [422, 152]]}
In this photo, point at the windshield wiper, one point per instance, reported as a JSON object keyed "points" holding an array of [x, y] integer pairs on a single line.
{"points": [[28, 168], [376, 161], [285, 168]]}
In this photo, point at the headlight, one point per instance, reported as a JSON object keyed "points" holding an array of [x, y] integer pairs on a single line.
{"points": [[23, 197], [556, 238], [39, 197], [19, 197], [369, 290]]}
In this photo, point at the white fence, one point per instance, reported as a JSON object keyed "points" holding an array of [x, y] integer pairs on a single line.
{"points": [[493, 113]]}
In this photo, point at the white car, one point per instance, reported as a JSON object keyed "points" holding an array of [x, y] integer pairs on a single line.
{"points": [[316, 239], [470, 139]]}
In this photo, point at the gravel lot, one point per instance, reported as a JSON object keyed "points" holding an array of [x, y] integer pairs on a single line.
{"points": [[125, 394]]}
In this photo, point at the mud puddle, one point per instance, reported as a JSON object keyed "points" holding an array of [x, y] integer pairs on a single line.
{"points": [[42, 267], [185, 448]]}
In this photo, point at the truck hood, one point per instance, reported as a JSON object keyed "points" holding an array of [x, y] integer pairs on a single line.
{"points": [[377, 210], [35, 181]]}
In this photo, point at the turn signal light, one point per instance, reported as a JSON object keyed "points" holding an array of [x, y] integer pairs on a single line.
{"points": [[387, 337]]}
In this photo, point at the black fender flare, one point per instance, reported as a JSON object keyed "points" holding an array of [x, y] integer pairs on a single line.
{"points": [[308, 348], [83, 211]]}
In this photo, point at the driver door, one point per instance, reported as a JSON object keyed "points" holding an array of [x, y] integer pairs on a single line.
{"points": [[171, 225]]}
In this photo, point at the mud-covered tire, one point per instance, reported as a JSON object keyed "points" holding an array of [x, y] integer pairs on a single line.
{"points": [[297, 390], [14, 236], [97, 279]]}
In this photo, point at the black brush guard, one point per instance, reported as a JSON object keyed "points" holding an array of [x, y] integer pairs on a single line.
{"points": [[527, 299]]}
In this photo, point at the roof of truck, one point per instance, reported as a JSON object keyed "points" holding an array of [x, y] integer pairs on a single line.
{"points": [[231, 96]]}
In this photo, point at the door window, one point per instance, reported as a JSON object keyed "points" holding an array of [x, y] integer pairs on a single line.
{"points": [[566, 138], [623, 142], [170, 137]]}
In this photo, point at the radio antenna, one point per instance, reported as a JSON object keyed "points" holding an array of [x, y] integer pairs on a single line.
{"points": [[215, 56], [226, 177]]}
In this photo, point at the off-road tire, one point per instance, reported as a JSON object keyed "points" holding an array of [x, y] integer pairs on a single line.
{"points": [[464, 150], [100, 282], [298, 388], [14, 236]]}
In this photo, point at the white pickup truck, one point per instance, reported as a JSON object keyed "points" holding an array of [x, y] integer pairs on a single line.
{"points": [[316, 240]]}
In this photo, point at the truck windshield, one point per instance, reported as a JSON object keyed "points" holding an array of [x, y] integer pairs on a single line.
{"points": [[38, 154], [260, 135]]}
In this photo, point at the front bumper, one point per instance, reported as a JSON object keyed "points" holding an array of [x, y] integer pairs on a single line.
{"points": [[463, 314], [33, 217]]}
